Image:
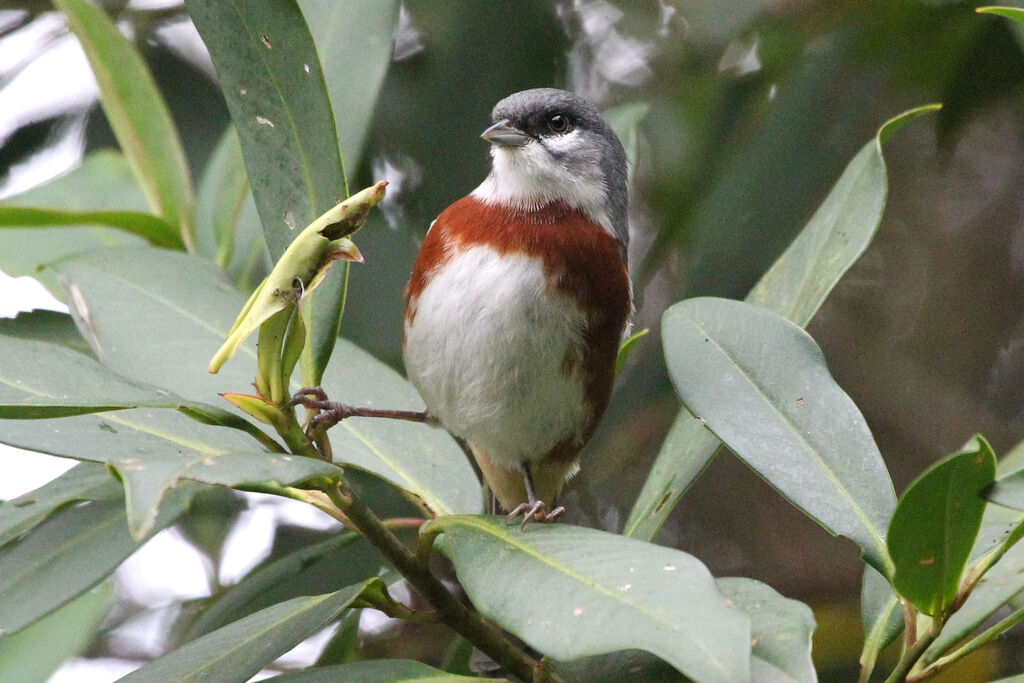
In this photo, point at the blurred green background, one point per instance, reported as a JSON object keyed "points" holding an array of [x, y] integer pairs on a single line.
{"points": [[755, 107]]}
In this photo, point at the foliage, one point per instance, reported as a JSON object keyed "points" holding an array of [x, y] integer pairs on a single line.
{"points": [[121, 385]]}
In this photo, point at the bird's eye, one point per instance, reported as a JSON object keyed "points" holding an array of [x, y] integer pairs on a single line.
{"points": [[559, 123]]}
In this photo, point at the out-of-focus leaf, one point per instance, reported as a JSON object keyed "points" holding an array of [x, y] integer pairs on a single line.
{"points": [[239, 650], [137, 114], [571, 592], [39, 380], [354, 40], [154, 451], [999, 585], [85, 481], [935, 526], [327, 565], [795, 287], [222, 192], [760, 384], [103, 182], [155, 230], [627, 347], [69, 553], [780, 631], [174, 332], [42, 325], [35, 652], [625, 120], [379, 671]]}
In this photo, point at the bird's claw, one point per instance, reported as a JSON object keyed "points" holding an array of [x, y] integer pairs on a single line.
{"points": [[329, 413], [534, 512]]}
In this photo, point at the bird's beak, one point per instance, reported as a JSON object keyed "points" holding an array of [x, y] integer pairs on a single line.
{"points": [[504, 134]]}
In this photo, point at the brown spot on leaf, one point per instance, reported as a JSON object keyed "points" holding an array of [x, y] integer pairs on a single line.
{"points": [[927, 561], [266, 41], [801, 402]]}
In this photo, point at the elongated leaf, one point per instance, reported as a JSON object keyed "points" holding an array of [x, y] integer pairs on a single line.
{"points": [[1008, 491], [625, 121], [1015, 13], [34, 653], [1001, 583], [571, 592], [328, 565], [158, 317], [103, 182], [780, 630], [795, 287], [761, 385], [84, 481], [935, 526], [222, 192], [67, 554], [238, 651], [42, 325], [155, 230], [378, 671], [272, 80], [881, 616], [39, 380], [154, 451], [354, 40], [137, 114]]}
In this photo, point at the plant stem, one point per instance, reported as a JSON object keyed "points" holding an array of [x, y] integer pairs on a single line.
{"points": [[461, 619], [911, 655], [981, 639]]}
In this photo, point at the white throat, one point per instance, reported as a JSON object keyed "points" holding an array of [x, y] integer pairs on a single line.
{"points": [[530, 177]]}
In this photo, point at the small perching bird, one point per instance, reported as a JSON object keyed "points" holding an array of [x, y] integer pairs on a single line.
{"points": [[518, 301], [520, 296]]}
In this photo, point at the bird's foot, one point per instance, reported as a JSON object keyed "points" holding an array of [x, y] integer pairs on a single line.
{"points": [[329, 413], [534, 512]]}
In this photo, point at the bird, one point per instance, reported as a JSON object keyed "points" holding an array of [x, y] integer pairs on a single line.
{"points": [[520, 296]]}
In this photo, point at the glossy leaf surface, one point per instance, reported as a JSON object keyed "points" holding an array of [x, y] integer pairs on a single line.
{"points": [[936, 524]]}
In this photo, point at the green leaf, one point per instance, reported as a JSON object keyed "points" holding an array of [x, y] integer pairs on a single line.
{"points": [[795, 287], [39, 380], [378, 671], [354, 40], [570, 592], [760, 384], [68, 554], [223, 190], [271, 78], [881, 615], [838, 233], [85, 481], [935, 526], [1008, 491], [42, 325], [153, 451], [137, 114], [327, 565], [155, 230], [238, 651], [1015, 13], [625, 121], [780, 631], [33, 654], [157, 317], [627, 347], [103, 182], [1001, 583]]}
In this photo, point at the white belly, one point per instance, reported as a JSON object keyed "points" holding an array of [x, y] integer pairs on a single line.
{"points": [[487, 349]]}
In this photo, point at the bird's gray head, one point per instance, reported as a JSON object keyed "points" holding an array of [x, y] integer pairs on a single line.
{"points": [[549, 146]]}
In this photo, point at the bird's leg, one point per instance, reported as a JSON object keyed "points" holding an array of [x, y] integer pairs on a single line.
{"points": [[331, 413], [533, 509]]}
